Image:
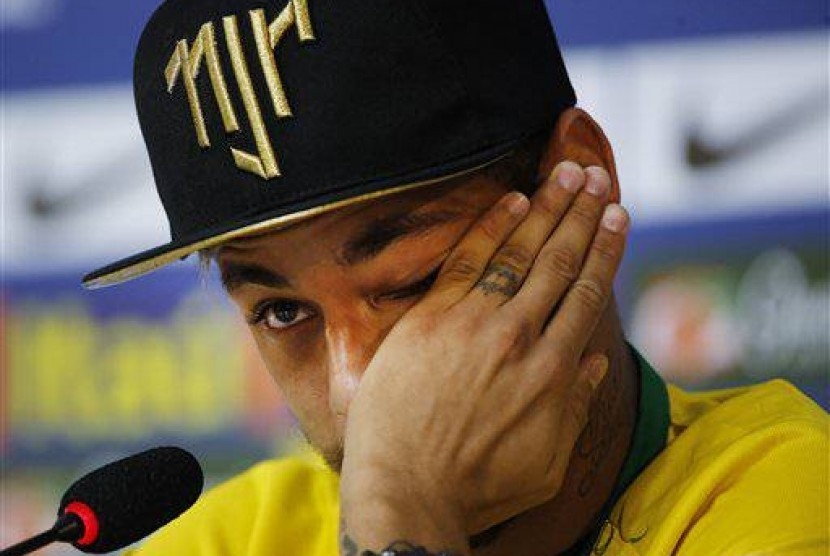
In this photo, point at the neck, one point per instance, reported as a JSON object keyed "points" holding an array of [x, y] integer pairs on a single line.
{"points": [[596, 462]]}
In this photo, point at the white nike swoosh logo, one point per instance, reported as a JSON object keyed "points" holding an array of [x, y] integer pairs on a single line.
{"points": [[702, 153]]}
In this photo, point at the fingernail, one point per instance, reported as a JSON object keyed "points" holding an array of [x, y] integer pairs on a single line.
{"points": [[597, 371], [569, 176], [615, 219], [599, 183], [517, 203]]}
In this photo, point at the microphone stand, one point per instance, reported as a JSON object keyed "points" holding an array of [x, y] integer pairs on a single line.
{"points": [[67, 528]]}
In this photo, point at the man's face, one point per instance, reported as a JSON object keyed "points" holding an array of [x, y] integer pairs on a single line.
{"points": [[321, 296]]}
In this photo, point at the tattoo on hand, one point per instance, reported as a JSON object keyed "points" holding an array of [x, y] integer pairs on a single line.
{"points": [[347, 546], [500, 279], [398, 548]]}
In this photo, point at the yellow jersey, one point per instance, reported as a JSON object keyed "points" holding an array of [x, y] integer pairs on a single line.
{"points": [[739, 472]]}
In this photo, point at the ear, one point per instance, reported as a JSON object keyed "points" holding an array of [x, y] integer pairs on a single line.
{"points": [[577, 137]]}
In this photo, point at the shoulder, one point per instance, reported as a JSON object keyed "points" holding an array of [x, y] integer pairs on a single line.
{"points": [[286, 506], [745, 472], [765, 406]]}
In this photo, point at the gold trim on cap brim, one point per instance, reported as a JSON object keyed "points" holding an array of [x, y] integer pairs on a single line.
{"points": [[272, 224]]}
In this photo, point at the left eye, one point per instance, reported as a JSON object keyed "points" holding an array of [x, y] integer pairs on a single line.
{"points": [[279, 315]]}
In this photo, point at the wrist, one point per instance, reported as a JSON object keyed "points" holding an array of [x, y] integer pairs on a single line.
{"points": [[378, 511]]}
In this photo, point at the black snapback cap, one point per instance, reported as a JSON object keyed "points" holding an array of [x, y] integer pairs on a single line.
{"points": [[258, 114]]}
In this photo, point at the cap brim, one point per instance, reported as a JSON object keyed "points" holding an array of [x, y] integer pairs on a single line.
{"points": [[153, 259]]}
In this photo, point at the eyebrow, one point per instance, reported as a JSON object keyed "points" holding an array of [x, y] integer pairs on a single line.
{"points": [[382, 233], [234, 275], [367, 244]]}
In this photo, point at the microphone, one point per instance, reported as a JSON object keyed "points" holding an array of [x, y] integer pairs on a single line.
{"points": [[122, 502]]}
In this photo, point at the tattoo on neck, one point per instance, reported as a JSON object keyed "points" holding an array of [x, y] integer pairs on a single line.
{"points": [[604, 427]]}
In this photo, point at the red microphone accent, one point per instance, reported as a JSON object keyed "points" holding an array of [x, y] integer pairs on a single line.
{"points": [[88, 518]]}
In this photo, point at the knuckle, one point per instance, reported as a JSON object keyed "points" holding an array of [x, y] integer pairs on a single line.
{"points": [[523, 334], [560, 364], [462, 268], [516, 337], [490, 227], [515, 256], [590, 293], [584, 215], [605, 250], [550, 206], [562, 262], [464, 326], [549, 210], [558, 361], [422, 321]]}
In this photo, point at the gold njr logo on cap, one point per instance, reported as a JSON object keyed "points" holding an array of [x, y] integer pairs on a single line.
{"points": [[186, 62]]}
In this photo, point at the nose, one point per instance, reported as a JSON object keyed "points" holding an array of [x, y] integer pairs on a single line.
{"points": [[351, 343]]}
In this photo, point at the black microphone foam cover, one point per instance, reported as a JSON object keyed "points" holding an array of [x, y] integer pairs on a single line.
{"points": [[134, 496]]}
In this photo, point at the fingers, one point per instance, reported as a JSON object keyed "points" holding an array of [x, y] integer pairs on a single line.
{"points": [[513, 260], [560, 260], [465, 265], [587, 298]]}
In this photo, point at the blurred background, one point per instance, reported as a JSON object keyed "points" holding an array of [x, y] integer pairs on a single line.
{"points": [[718, 110]]}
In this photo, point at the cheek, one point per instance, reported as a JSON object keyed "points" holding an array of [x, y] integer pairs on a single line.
{"points": [[295, 362]]}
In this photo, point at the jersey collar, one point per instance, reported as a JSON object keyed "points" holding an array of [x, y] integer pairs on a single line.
{"points": [[649, 438]]}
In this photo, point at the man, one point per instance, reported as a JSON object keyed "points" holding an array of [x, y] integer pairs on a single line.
{"points": [[447, 342]]}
